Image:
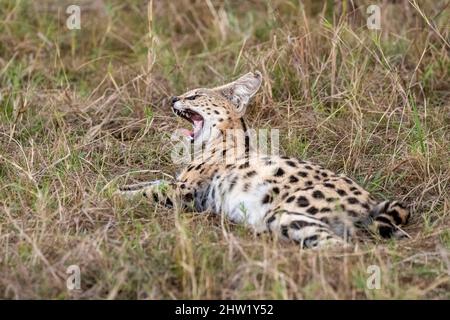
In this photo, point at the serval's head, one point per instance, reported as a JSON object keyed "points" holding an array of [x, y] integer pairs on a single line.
{"points": [[213, 111]]}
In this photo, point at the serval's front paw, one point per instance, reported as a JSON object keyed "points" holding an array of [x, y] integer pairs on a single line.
{"points": [[137, 189]]}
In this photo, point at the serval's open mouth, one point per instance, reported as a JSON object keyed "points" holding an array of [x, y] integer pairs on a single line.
{"points": [[194, 118]]}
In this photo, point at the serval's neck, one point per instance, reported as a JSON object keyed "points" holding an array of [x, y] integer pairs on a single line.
{"points": [[231, 143]]}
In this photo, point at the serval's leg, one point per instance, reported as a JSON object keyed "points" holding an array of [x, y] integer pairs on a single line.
{"points": [[303, 229], [158, 191]]}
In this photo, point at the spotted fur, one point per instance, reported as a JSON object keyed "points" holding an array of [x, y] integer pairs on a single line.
{"points": [[293, 199]]}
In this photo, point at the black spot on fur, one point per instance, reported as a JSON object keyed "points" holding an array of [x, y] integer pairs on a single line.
{"points": [[244, 165], [318, 194], [385, 231], [308, 167], [324, 174], [303, 174], [352, 200], [325, 220], [312, 210], [394, 214], [302, 201], [291, 163], [290, 199], [276, 190], [329, 185], [325, 210], [341, 192], [279, 172], [348, 180], [267, 199], [285, 231], [250, 174], [233, 183], [293, 179], [270, 220]]}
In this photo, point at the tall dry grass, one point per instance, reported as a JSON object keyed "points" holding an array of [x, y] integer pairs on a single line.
{"points": [[82, 111]]}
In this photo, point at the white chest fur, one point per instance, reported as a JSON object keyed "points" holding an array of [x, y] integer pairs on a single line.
{"points": [[227, 197]]}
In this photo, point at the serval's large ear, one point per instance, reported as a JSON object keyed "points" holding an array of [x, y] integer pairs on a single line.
{"points": [[240, 91]]}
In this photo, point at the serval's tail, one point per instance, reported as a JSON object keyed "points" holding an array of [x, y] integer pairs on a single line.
{"points": [[388, 216]]}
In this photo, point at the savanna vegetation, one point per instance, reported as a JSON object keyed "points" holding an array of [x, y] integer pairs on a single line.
{"points": [[84, 111]]}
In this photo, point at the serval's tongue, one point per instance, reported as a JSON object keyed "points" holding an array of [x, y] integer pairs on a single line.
{"points": [[198, 124], [187, 133]]}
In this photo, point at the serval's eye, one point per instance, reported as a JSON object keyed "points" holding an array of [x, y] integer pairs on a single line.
{"points": [[193, 97]]}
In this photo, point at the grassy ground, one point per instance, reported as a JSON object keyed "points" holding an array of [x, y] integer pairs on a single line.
{"points": [[82, 111]]}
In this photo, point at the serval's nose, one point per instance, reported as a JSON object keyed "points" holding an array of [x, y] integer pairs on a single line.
{"points": [[174, 99]]}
